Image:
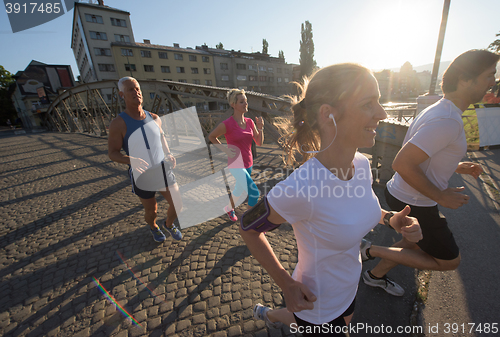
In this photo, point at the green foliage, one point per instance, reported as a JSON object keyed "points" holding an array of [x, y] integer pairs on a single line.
{"points": [[307, 62], [265, 46], [281, 55], [219, 46], [5, 78], [471, 127], [6, 107], [495, 45]]}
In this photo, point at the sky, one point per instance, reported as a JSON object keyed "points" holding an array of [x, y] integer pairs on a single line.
{"points": [[379, 34]]}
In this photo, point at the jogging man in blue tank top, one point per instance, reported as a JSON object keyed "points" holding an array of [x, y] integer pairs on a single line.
{"points": [[121, 128]]}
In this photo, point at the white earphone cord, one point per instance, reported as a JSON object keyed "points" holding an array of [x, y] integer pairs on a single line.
{"points": [[335, 124]]}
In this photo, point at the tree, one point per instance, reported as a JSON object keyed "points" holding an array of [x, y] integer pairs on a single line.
{"points": [[495, 45], [6, 107], [265, 46], [5, 78], [281, 55], [307, 62], [219, 46]]}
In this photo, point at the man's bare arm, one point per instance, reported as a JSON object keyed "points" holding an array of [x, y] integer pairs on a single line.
{"points": [[117, 130], [407, 164]]}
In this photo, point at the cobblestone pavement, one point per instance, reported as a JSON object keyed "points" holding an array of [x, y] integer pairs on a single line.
{"points": [[69, 221], [68, 216]]}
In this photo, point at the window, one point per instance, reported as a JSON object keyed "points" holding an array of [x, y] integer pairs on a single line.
{"points": [[252, 67], [225, 78], [196, 81], [98, 36], [271, 79], [106, 67], [241, 78], [146, 53], [208, 82], [207, 71], [118, 22], [224, 66], [152, 95], [162, 55], [180, 69], [270, 70], [194, 70], [127, 52], [287, 71], [102, 51], [262, 78], [205, 59], [286, 80], [165, 69], [262, 68], [149, 68], [279, 79], [241, 66], [279, 70], [122, 38], [130, 67], [93, 18], [252, 78], [192, 58], [178, 56], [183, 81]]}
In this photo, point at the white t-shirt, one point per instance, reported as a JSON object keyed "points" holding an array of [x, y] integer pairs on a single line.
{"points": [[439, 132], [329, 218]]}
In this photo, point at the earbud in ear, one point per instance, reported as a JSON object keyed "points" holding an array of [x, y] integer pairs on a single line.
{"points": [[333, 119]]}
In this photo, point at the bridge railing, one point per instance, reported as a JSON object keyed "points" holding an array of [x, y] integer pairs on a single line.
{"points": [[83, 109]]}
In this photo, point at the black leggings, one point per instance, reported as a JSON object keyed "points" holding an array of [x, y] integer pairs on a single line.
{"points": [[332, 328]]}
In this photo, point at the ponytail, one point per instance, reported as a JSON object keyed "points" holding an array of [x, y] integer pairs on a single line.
{"points": [[303, 134], [330, 85]]}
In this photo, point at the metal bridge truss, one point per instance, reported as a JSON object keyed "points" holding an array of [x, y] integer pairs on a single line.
{"points": [[83, 109]]}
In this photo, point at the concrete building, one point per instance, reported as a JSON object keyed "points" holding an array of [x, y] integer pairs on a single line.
{"points": [[95, 27], [156, 62], [105, 49], [251, 71], [36, 87]]}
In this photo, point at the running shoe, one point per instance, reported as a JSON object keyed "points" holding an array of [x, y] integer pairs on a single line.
{"points": [[385, 283], [260, 312], [231, 214], [158, 235], [174, 231], [363, 247]]}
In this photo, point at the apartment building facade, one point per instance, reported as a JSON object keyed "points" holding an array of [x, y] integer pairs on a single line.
{"points": [[156, 62], [95, 27], [251, 71], [105, 49]]}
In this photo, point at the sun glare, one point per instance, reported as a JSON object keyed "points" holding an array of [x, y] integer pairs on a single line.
{"points": [[402, 31]]}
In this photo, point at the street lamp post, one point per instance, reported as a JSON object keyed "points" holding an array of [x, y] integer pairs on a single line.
{"points": [[439, 49], [430, 98]]}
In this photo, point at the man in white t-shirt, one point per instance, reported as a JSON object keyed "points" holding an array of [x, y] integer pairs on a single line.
{"points": [[432, 149]]}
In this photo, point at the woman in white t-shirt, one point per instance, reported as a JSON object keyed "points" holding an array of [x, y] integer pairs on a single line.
{"points": [[328, 200]]}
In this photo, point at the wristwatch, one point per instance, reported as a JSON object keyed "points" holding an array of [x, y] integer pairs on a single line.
{"points": [[387, 219]]}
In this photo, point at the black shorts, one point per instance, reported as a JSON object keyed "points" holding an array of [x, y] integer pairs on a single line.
{"points": [[332, 328], [438, 240], [169, 178]]}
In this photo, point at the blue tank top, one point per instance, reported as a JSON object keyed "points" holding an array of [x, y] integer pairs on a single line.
{"points": [[143, 138]]}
